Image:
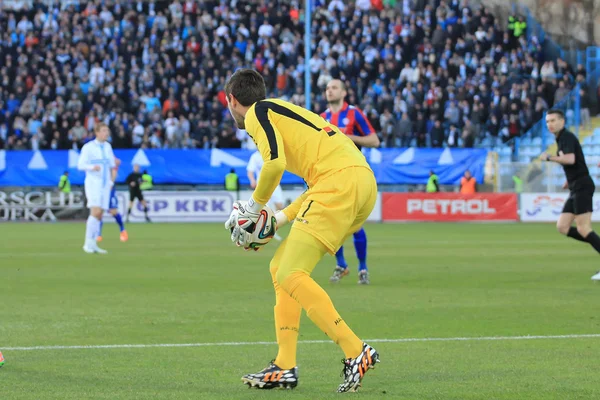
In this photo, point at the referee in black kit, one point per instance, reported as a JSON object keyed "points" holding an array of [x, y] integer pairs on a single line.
{"points": [[133, 181], [579, 205]]}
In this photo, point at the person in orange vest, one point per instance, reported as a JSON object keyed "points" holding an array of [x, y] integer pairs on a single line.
{"points": [[468, 184]]}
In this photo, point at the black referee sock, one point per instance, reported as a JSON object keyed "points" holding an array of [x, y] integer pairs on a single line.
{"points": [[573, 233], [594, 240]]}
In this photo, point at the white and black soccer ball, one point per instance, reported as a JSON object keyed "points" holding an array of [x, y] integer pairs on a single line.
{"points": [[263, 230]]}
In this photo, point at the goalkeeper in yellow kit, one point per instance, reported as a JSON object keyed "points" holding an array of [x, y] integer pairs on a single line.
{"points": [[341, 195]]}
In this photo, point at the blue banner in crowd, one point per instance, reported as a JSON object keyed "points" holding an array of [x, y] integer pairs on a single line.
{"points": [[391, 166]]}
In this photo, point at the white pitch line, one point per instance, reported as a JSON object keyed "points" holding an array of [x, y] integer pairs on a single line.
{"points": [[214, 344]]}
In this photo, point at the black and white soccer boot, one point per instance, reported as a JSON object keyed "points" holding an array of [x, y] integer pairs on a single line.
{"points": [[338, 274], [272, 377], [356, 368], [363, 278]]}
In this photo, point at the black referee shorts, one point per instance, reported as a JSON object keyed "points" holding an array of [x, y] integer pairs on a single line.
{"points": [[136, 194], [580, 201]]}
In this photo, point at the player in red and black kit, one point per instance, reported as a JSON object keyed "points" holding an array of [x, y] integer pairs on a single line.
{"points": [[579, 205], [356, 126]]}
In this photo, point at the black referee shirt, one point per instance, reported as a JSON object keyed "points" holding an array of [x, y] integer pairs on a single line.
{"points": [[135, 177], [577, 174]]}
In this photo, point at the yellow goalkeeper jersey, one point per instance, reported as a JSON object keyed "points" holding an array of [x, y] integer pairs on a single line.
{"points": [[292, 138]]}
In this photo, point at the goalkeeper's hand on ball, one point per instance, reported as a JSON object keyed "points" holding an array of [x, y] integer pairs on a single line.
{"points": [[252, 226], [244, 215], [242, 221], [242, 238]]}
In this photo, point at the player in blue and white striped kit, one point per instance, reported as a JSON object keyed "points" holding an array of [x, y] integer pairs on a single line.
{"points": [[98, 161], [353, 122]]}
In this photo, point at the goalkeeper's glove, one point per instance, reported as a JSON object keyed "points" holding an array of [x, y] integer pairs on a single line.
{"points": [[245, 214], [242, 221], [241, 237]]}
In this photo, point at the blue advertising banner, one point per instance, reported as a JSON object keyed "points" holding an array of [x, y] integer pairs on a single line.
{"points": [[391, 166]]}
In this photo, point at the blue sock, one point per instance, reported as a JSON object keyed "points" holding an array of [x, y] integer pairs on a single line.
{"points": [[360, 244], [341, 261], [120, 222], [100, 230]]}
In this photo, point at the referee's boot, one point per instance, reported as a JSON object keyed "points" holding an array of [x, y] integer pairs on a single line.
{"points": [[356, 368], [272, 377]]}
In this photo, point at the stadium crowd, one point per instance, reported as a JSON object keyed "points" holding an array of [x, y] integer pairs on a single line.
{"points": [[426, 72]]}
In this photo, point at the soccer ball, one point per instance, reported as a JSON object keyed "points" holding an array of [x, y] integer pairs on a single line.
{"points": [[262, 231]]}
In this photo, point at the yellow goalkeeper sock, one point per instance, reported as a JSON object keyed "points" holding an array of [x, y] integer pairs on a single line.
{"points": [[302, 254], [287, 319]]}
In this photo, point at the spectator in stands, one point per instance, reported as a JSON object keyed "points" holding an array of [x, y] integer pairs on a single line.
{"points": [[104, 60], [402, 133], [453, 136], [437, 134], [561, 92], [469, 134]]}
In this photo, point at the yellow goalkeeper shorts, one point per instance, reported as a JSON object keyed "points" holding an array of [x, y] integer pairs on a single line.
{"points": [[338, 206]]}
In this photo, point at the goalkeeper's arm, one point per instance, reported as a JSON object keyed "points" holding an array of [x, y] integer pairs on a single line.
{"points": [[269, 142], [289, 213]]}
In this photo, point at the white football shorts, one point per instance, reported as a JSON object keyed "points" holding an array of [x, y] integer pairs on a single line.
{"points": [[97, 195]]}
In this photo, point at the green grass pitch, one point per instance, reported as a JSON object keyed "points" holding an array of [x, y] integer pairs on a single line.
{"points": [[186, 283]]}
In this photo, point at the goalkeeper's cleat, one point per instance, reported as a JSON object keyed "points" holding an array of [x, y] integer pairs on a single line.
{"points": [[363, 278], [98, 239], [338, 274], [272, 377], [124, 236], [356, 368]]}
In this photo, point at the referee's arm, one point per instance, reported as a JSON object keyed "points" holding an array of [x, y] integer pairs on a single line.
{"points": [[561, 158], [131, 180]]}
